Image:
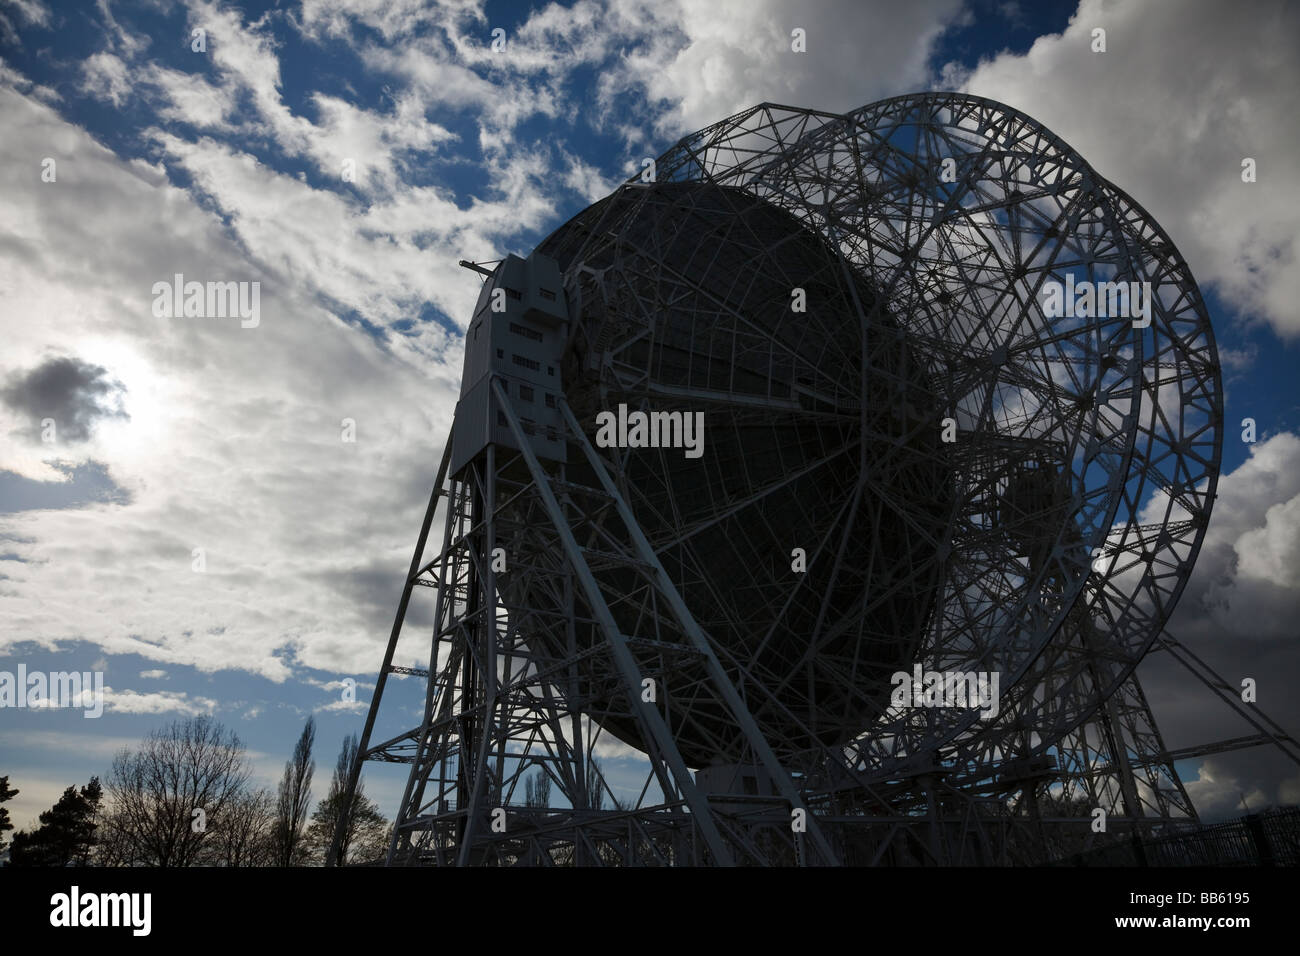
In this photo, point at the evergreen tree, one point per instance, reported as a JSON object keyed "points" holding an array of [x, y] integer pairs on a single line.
{"points": [[5, 794], [66, 835]]}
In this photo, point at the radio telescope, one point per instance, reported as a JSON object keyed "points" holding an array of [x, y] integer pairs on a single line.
{"points": [[924, 451]]}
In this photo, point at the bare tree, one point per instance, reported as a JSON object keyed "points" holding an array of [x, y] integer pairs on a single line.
{"points": [[537, 790], [366, 825], [154, 793], [293, 800], [244, 834], [598, 789], [371, 846]]}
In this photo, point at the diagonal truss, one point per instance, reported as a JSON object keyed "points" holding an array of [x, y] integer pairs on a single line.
{"points": [[499, 707]]}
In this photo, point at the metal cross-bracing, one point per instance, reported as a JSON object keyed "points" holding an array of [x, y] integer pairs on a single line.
{"points": [[959, 413], [482, 736]]}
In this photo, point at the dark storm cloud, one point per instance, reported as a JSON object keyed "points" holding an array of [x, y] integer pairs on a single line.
{"points": [[1239, 614], [373, 591], [75, 394]]}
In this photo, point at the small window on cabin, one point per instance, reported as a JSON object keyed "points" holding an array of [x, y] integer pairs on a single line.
{"points": [[525, 393], [550, 400], [501, 353], [547, 294]]}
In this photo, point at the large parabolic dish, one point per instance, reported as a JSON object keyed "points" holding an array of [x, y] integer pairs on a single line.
{"points": [[690, 307], [978, 482], [962, 413]]}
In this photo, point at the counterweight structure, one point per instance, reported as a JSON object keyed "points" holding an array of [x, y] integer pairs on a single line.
{"points": [[913, 457]]}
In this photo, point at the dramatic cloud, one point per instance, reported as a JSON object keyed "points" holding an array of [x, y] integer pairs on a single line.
{"points": [[1184, 92], [71, 394], [1227, 788], [1239, 614], [734, 54], [668, 66], [245, 497], [1247, 580]]}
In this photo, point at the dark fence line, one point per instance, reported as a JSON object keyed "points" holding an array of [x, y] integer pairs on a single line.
{"points": [[1270, 838]]}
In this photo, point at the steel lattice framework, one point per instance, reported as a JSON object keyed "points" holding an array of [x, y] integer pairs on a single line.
{"points": [[978, 484]]}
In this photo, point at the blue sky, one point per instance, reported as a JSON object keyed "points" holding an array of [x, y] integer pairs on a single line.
{"points": [[228, 162]]}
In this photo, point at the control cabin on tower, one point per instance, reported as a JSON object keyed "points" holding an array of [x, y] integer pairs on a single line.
{"points": [[517, 336]]}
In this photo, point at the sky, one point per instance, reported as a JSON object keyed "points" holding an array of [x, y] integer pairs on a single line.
{"points": [[198, 529]]}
